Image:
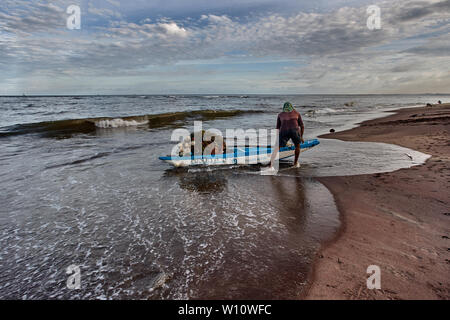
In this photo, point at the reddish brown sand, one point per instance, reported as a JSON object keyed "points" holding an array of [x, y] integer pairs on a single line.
{"points": [[399, 221]]}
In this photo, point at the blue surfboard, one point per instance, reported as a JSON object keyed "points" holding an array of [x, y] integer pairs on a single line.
{"points": [[239, 155]]}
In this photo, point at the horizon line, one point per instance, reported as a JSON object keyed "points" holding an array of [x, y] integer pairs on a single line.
{"points": [[218, 94]]}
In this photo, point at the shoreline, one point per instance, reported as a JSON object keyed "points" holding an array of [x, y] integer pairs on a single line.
{"points": [[396, 220]]}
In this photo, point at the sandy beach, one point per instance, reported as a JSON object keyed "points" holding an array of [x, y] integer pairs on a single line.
{"points": [[398, 221]]}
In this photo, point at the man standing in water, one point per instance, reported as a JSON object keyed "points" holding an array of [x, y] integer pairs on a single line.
{"points": [[290, 126]]}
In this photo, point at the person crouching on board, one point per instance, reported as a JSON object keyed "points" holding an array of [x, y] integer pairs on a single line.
{"points": [[290, 126], [210, 145], [216, 146], [187, 146]]}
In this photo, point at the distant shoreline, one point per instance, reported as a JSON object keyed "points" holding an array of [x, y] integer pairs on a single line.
{"points": [[395, 220]]}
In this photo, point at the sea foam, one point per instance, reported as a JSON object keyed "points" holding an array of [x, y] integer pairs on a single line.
{"points": [[118, 123]]}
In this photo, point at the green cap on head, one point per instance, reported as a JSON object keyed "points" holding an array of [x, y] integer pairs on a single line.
{"points": [[288, 107]]}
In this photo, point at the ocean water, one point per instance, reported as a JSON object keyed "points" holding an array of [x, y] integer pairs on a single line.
{"points": [[81, 184]]}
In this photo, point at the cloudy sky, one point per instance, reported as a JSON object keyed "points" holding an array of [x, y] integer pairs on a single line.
{"points": [[227, 46]]}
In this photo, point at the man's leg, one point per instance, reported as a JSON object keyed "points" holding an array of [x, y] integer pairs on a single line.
{"points": [[275, 152], [272, 170], [297, 153], [279, 143], [297, 140]]}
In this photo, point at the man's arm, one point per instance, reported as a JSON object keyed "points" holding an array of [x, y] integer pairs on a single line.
{"points": [[278, 123]]}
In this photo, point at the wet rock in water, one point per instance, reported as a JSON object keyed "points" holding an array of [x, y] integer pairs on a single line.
{"points": [[429, 105], [160, 280], [332, 130]]}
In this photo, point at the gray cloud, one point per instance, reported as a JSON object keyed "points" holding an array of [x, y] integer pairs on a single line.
{"points": [[33, 17], [432, 50], [415, 13], [413, 10]]}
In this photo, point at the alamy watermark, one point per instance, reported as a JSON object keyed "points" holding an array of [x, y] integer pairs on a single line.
{"points": [[212, 147], [73, 22], [74, 280], [374, 19], [374, 280]]}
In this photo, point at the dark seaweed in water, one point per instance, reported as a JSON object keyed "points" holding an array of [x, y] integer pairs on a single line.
{"points": [[202, 181], [54, 129]]}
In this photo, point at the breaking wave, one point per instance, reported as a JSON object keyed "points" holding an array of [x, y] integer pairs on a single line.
{"points": [[118, 123], [67, 128], [322, 111]]}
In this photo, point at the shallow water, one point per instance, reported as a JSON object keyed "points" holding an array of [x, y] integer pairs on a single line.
{"points": [[170, 234], [352, 158], [137, 228]]}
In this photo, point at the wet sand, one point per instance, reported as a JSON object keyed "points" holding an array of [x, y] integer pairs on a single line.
{"points": [[399, 221]]}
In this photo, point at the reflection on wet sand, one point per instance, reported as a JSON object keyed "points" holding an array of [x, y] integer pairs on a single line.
{"points": [[260, 226], [289, 194]]}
